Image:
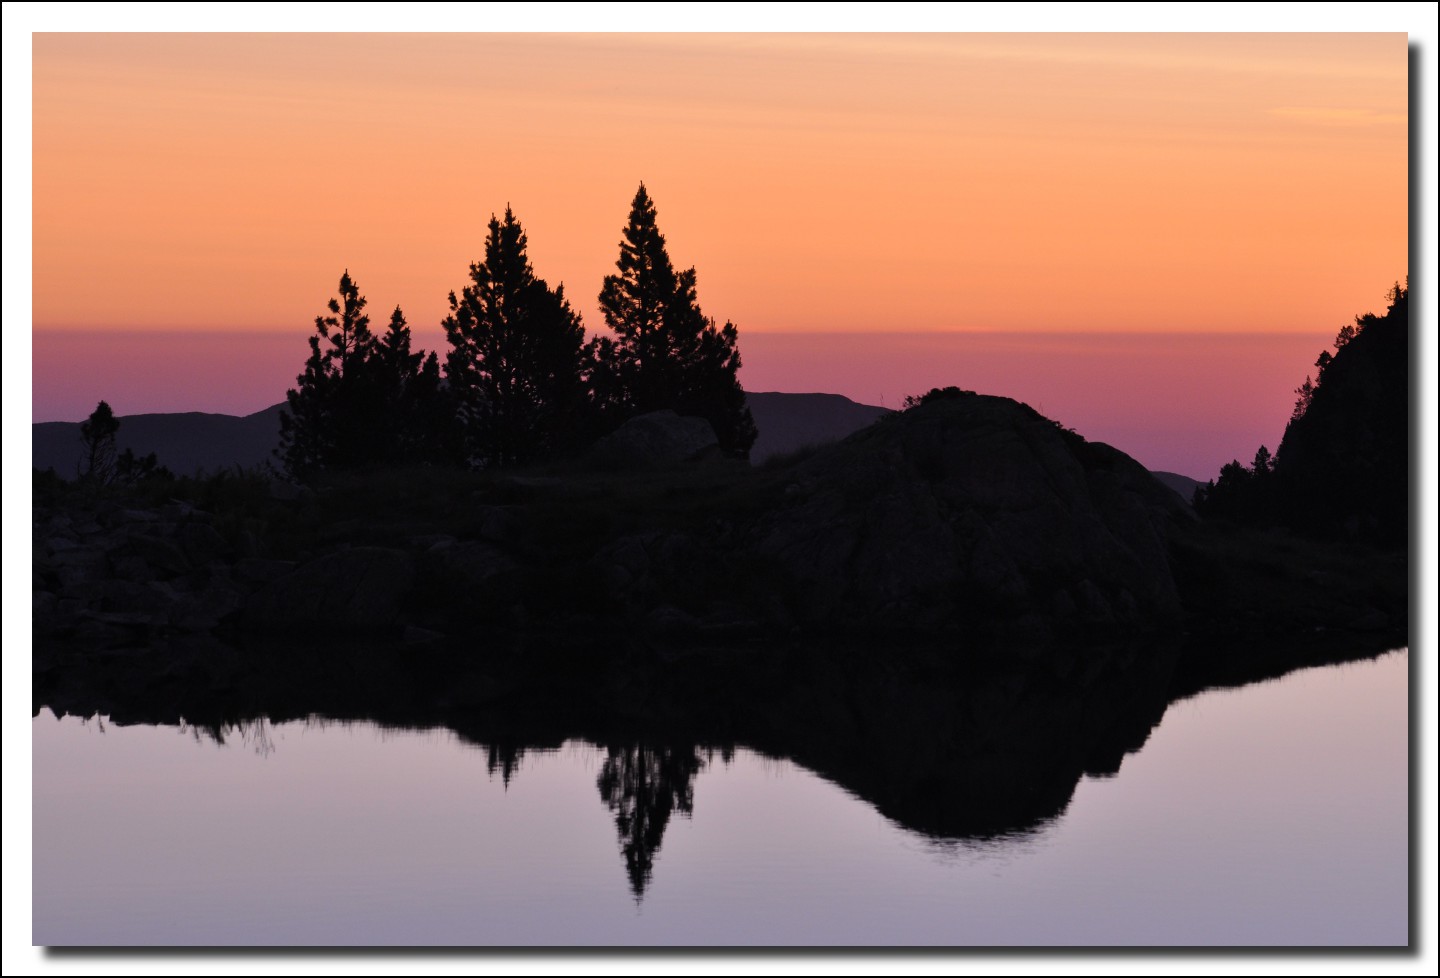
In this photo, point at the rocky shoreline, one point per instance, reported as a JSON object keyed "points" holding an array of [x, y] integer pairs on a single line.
{"points": [[967, 585], [973, 518]]}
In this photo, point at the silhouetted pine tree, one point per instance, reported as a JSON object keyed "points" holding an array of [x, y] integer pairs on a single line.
{"points": [[666, 352], [100, 466], [1342, 468], [417, 422], [322, 426], [1231, 497], [363, 401], [97, 432], [518, 360]]}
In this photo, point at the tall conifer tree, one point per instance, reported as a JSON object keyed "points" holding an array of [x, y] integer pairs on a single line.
{"points": [[518, 359], [667, 353], [362, 400], [416, 425], [319, 428]]}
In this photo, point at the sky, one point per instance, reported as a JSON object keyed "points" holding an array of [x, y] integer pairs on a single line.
{"points": [[817, 182], [969, 188], [1095, 224]]}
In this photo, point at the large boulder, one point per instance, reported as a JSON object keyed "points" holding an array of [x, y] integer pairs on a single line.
{"points": [[979, 513], [657, 438]]}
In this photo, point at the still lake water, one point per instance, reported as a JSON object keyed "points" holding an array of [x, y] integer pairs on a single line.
{"points": [[1274, 814]]}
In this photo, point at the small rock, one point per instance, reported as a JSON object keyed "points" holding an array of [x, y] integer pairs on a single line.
{"points": [[202, 542], [475, 562], [496, 523], [259, 570], [133, 568], [160, 554], [666, 620]]}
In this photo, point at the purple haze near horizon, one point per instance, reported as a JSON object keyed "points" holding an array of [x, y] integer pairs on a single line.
{"points": [[1183, 403]]}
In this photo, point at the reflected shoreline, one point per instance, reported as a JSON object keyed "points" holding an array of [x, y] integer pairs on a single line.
{"points": [[990, 747]]}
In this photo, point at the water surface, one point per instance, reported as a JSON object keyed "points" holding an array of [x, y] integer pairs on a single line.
{"points": [[1271, 814]]}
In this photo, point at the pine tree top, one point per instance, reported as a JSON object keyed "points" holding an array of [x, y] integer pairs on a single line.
{"points": [[632, 301], [347, 328], [666, 352]]}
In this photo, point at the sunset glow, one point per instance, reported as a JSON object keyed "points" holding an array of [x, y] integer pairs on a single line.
{"points": [[882, 186], [958, 475], [817, 182]]}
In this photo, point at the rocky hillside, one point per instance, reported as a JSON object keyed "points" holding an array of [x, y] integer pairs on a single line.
{"points": [[971, 513], [1343, 465], [975, 511]]}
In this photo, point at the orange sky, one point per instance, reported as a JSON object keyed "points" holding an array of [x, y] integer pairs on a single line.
{"points": [[817, 182]]}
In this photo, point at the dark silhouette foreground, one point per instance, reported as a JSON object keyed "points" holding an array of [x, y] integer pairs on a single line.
{"points": [[521, 381], [1342, 468], [955, 613]]}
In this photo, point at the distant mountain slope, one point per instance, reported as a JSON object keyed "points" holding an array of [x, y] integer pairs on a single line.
{"points": [[191, 442], [1182, 484], [790, 421], [185, 443]]}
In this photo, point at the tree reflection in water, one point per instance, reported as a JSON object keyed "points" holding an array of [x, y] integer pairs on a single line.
{"points": [[503, 758], [965, 748], [643, 786]]}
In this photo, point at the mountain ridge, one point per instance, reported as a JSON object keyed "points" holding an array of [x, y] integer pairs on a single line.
{"points": [[190, 442]]}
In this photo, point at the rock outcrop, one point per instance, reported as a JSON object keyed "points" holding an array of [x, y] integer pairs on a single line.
{"points": [[657, 438], [110, 574], [976, 511], [349, 589], [967, 515]]}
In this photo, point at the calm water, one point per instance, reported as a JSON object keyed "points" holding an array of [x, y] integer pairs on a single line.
{"points": [[1272, 814]]}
